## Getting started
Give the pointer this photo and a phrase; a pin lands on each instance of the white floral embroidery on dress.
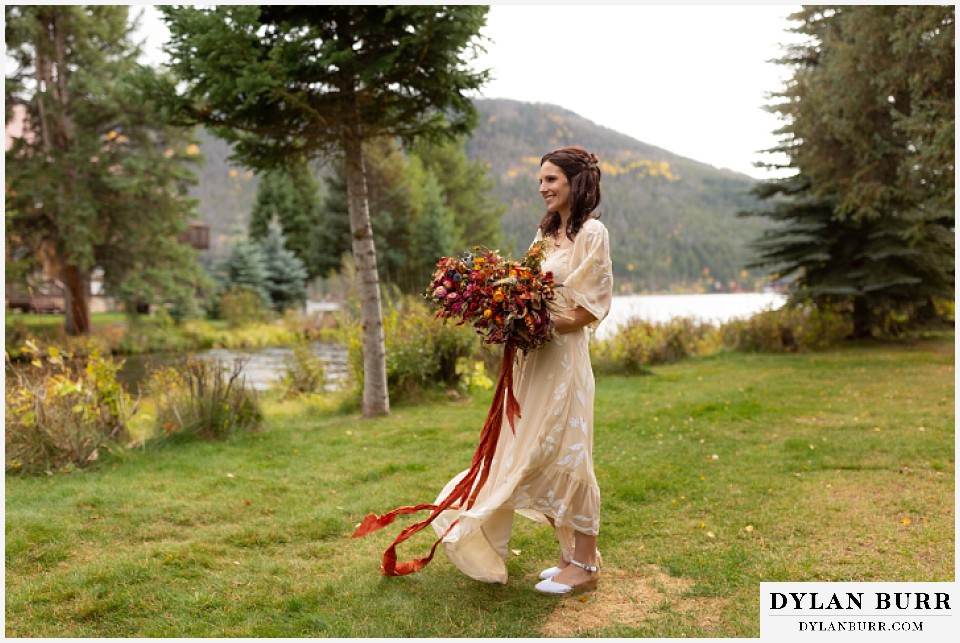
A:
(560, 392)
(579, 422)
(581, 398)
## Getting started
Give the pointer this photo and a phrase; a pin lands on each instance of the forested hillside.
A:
(226, 193)
(671, 219)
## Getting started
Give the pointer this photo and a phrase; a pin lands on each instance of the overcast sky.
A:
(690, 79)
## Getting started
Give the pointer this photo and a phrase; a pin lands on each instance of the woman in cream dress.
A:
(544, 470)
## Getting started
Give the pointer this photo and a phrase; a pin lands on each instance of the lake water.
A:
(263, 366)
(716, 308)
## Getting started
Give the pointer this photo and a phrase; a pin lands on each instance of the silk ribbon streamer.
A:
(465, 493)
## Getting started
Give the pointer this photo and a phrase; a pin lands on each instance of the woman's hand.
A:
(573, 320)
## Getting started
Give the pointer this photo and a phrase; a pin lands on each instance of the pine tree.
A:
(285, 273)
(293, 197)
(99, 177)
(246, 267)
(467, 189)
(868, 217)
(433, 232)
(333, 238)
(293, 82)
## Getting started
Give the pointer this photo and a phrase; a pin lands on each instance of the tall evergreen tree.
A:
(333, 238)
(467, 189)
(868, 217)
(98, 177)
(293, 197)
(246, 267)
(433, 228)
(391, 206)
(285, 273)
(289, 82)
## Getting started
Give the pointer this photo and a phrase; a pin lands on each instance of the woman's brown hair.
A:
(583, 174)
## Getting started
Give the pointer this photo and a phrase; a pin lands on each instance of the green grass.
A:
(830, 466)
(39, 323)
(116, 333)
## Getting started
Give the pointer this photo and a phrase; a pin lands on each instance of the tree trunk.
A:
(76, 282)
(376, 400)
(861, 318)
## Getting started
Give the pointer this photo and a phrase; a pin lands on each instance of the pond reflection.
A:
(261, 368)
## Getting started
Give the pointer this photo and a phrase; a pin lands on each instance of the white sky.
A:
(690, 79)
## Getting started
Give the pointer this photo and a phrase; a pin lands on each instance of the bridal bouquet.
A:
(506, 301)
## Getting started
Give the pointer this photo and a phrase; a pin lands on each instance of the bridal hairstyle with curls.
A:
(583, 173)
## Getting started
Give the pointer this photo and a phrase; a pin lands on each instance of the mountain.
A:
(671, 219)
(226, 194)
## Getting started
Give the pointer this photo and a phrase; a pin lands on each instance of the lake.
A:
(261, 368)
(716, 308)
(264, 365)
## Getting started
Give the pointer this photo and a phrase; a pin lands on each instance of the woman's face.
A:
(554, 187)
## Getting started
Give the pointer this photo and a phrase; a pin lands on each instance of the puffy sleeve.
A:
(590, 284)
(537, 237)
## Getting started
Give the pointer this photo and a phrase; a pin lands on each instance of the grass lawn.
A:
(715, 474)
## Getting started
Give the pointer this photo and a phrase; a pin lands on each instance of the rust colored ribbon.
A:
(464, 494)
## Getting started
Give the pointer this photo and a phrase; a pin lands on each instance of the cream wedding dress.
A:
(546, 469)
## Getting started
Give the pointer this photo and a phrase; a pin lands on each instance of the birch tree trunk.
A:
(376, 400)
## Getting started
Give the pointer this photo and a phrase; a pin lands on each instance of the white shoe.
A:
(549, 586)
(547, 574)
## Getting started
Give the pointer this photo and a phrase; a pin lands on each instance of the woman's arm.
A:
(579, 317)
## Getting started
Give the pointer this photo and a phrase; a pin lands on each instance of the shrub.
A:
(303, 371)
(792, 328)
(640, 343)
(204, 399)
(62, 410)
(240, 306)
(422, 352)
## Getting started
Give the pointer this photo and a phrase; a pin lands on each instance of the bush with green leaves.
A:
(792, 328)
(241, 306)
(206, 399)
(303, 372)
(640, 343)
(422, 351)
(61, 410)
